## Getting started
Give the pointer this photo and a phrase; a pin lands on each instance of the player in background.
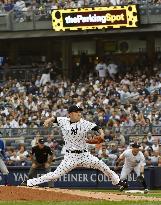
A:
(74, 130)
(3, 167)
(133, 160)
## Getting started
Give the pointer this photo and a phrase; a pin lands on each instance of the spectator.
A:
(53, 144)
(155, 146)
(45, 78)
(19, 8)
(150, 139)
(14, 159)
(34, 142)
(112, 69)
(147, 158)
(8, 5)
(22, 153)
(103, 152)
(154, 158)
(101, 69)
(92, 150)
(61, 112)
(38, 82)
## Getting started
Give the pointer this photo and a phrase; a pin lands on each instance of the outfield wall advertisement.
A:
(111, 17)
(78, 178)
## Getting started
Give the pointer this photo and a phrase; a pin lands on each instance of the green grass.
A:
(80, 203)
(156, 195)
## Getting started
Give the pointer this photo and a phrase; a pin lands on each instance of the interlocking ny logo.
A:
(74, 131)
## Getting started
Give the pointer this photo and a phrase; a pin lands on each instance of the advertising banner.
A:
(112, 17)
(157, 178)
(78, 178)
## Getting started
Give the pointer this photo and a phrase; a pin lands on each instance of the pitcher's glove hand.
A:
(95, 140)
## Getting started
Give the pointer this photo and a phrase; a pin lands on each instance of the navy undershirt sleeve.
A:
(96, 128)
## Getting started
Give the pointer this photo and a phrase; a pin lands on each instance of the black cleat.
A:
(123, 185)
(146, 191)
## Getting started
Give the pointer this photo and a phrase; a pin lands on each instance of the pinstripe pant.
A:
(71, 161)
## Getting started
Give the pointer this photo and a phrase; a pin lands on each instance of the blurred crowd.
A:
(23, 10)
(127, 105)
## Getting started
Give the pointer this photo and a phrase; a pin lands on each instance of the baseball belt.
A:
(76, 151)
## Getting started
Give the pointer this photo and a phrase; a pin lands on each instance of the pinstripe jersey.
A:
(132, 160)
(74, 134)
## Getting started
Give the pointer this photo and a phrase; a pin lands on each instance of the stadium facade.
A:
(37, 36)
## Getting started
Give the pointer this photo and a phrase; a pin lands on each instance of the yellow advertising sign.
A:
(95, 18)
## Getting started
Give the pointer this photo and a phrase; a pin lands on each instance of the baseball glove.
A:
(95, 140)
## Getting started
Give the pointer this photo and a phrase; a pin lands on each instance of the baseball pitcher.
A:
(74, 130)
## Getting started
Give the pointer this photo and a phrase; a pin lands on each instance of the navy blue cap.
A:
(135, 145)
(74, 108)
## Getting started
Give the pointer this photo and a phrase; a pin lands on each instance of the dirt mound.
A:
(41, 194)
(8, 193)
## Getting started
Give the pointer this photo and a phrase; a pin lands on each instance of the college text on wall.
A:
(95, 18)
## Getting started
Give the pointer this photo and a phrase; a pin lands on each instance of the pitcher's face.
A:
(135, 151)
(75, 116)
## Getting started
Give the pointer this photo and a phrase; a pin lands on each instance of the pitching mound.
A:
(41, 194)
(36, 194)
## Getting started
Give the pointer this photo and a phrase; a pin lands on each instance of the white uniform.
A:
(75, 135)
(101, 68)
(131, 163)
(3, 167)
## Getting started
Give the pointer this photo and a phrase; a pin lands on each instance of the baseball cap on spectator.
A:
(75, 96)
(74, 108)
(41, 141)
(135, 145)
